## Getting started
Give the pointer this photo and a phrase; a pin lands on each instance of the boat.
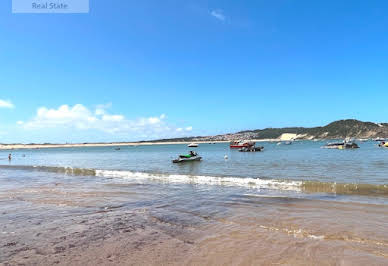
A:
(192, 145)
(241, 144)
(251, 149)
(346, 144)
(383, 144)
(192, 156)
(379, 139)
(284, 143)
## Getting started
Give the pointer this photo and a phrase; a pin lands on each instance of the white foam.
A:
(207, 180)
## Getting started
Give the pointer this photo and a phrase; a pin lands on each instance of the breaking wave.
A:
(205, 180)
(258, 183)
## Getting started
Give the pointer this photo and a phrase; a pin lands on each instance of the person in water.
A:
(9, 157)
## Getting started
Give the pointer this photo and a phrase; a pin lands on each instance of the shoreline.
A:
(113, 144)
(109, 230)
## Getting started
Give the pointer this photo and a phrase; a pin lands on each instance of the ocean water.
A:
(331, 203)
(301, 167)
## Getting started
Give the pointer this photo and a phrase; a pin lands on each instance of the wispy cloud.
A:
(218, 14)
(6, 104)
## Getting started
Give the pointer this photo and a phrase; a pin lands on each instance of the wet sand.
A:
(63, 221)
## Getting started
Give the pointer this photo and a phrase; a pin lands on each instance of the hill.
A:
(335, 130)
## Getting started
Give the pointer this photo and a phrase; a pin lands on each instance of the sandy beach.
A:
(115, 144)
(133, 206)
(64, 224)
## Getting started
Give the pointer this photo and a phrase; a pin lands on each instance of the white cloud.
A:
(101, 108)
(80, 118)
(6, 104)
(218, 14)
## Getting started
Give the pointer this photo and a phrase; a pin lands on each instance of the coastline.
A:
(112, 144)
(117, 208)
(115, 224)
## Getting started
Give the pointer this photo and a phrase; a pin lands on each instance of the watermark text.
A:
(53, 6)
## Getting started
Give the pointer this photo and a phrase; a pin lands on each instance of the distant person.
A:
(9, 157)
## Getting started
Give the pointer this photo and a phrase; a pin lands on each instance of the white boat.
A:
(192, 145)
(346, 144)
(285, 143)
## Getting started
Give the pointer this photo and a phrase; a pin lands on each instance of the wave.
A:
(53, 169)
(205, 180)
(344, 188)
(301, 186)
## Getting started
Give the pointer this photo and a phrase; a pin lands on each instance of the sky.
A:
(138, 70)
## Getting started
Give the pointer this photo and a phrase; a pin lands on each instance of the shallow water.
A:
(300, 167)
(291, 204)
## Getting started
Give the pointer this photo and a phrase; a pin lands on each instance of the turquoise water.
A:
(301, 167)
(300, 193)
(303, 160)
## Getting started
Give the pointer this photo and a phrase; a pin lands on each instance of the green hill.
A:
(338, 129)
(335, 130)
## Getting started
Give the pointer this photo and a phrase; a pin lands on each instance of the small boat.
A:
(346, 144)
(284, 143)
(241, 144)
(117, 149)
(251, 149)
(383, 144)
(379, 139)
(192, 145)
(192, 156)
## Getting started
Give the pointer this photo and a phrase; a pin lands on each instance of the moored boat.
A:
(251, 149)
(346, 144)
(284, 143)
(383, 144)
(192, 145)
(241, 144)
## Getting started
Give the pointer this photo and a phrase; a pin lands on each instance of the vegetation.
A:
(338, 129)
(335, 130)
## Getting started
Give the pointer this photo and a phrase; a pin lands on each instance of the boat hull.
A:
(183, 160)
(239, 146)
(251, 149)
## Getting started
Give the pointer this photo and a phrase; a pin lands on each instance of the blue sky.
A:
(133, 70)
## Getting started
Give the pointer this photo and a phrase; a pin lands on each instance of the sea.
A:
(292, 204)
